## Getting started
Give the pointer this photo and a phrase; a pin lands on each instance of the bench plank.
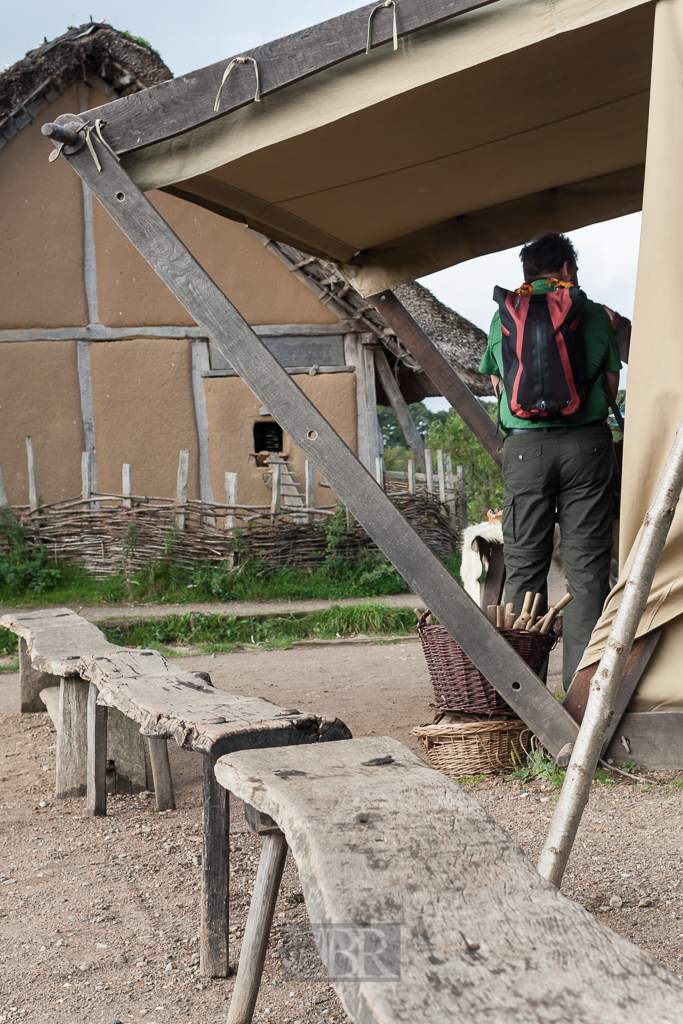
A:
(483, 936)
(56, 638)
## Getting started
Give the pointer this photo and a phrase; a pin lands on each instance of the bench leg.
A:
(97, 755)
(126, 748)
(259, 921)
(32, 681)
(213, 949)
(161, 773)
(72, 739)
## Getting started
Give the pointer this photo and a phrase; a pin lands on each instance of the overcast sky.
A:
(189, 36)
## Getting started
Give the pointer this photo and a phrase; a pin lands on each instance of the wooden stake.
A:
(429, 471)
(309, 480)
(451, 500)
(275, 470)
(127, 484)
(181, 486)
(462, 495)
(379, 471)
(231, 499)
(411, 476)
(441, 475)
(86, 478)
(97, 755)
(605, 683)
(3, 493)
(32, 483)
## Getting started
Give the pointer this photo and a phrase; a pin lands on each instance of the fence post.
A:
(411, 476)
(3, 493)
(231, 500)
(379, 470)
(309, 483)
(450, 490)
(181, 487)
(462, 496)
(441, 475)
(32, 483)
(127, 484)
(275, 469)
(429, 471)
(86, 477)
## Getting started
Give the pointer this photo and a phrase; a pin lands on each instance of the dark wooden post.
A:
(313, 435)
(161, 773)
(440, 371)
(213, 948)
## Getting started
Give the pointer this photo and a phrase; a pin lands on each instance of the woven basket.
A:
(463, 749)
(458, 683)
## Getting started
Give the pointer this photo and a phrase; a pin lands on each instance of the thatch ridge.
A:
(95, 52)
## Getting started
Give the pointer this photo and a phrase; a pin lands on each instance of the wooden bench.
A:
(384, 844)
(159, 701)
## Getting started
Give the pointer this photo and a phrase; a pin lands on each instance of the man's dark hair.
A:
(547, 254)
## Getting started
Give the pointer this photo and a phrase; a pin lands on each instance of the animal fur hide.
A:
(473, 564)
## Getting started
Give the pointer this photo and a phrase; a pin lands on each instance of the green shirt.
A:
(601, 354)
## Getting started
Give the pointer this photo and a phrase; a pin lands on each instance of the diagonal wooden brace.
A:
(321, 445)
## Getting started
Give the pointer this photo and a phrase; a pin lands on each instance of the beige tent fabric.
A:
(654, 406)
(477, 132)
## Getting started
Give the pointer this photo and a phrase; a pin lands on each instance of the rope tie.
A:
(97, 128)
(238, 60)
(387, 3)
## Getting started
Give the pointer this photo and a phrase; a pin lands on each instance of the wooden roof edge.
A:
(177, 106)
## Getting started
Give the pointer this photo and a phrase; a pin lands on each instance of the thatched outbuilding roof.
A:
(114, 62)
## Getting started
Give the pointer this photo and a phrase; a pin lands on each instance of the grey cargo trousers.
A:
(569, 469)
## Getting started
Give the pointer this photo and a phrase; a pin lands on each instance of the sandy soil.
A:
(99, 918)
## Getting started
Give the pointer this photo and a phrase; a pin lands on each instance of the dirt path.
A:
(99, 919)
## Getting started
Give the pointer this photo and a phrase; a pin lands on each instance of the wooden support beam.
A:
(440, 372)
(313, 435)
(187, 101)
(86, 479)
(72, 739)
(164, 797)
(400, 407)
(213, 943)
(97, 755)
(257, 931)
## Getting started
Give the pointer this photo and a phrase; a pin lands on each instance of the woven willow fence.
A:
(110, 533)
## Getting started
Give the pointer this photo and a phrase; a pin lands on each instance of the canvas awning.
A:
(481, 129)
(492, 121)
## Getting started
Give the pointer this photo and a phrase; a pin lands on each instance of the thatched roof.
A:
(98, 54)
(461, 342)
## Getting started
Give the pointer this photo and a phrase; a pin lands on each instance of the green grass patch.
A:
(9, 641)
(227, 632)
(10, 666)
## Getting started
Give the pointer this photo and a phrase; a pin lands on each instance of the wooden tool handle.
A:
(563, 602)
(528, 599)
(491, 613)
(510, 619)
(547, 621)
(534, 611)
(500, 616)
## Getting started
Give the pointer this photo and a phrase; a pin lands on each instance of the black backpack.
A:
(544, 352)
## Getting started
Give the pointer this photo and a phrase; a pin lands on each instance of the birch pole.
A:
(605, 682)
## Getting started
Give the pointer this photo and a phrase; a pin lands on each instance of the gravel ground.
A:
(99, 918)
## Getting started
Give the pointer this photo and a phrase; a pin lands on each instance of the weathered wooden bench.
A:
(423, 908)
(162, 702)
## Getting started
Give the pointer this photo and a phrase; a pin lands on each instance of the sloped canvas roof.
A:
(489, 122)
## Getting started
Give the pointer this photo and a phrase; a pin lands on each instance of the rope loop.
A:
(97, 128)
(238, 60)
(387, 3)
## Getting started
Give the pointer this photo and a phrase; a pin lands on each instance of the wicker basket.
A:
(458, 683)
(464, 749)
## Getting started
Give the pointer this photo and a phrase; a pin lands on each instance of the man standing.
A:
(554, 464)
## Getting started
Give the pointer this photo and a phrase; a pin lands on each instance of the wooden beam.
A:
(213, 949)
(97, 755)
(313, 435)
(161, 773)
(400, 407)
(440, 372)
(174, 107)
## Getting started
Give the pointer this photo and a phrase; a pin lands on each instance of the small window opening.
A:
(267, 437)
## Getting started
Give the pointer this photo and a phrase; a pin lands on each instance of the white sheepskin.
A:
(473, 564)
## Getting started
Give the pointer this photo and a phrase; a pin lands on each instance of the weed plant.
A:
(227, 632)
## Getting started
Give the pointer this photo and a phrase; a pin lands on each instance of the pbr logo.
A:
(355, 952)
